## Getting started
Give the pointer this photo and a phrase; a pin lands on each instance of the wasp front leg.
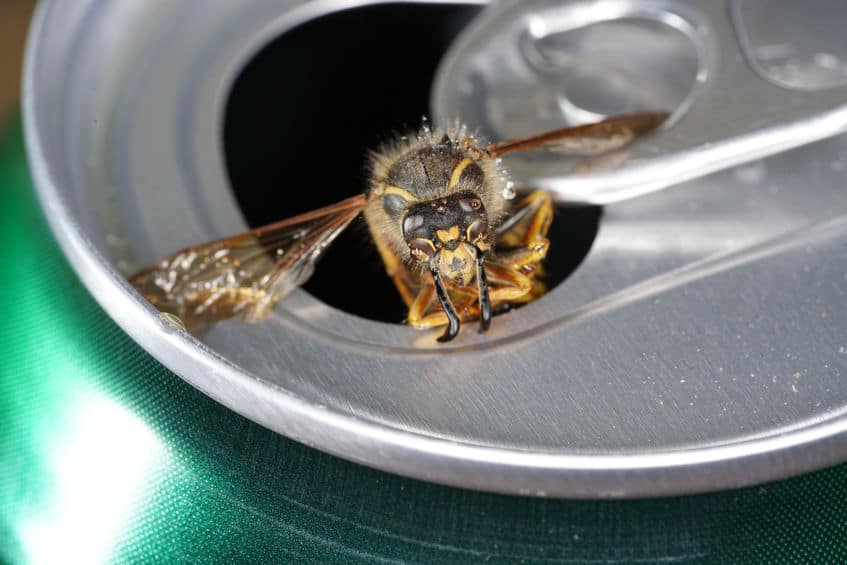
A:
(522, 243)
(529, 223)
(407, 283)
(513, 271)
(504, 286)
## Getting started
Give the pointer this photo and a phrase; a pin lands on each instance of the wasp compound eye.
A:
(412, 224)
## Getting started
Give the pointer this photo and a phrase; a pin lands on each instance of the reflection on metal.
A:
(97, 456)
(733, 87)
(791, 45)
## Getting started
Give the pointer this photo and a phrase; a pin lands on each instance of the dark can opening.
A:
(305, 110)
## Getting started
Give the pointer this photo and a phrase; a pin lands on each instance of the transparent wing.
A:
(247, 274)
(590, 139)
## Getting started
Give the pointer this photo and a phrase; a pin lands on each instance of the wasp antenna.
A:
(484, 298)
(452, 317)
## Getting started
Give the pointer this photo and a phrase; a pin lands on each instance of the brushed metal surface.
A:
(744, 79)
(701, 344)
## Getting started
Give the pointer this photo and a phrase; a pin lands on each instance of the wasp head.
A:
(447, 234)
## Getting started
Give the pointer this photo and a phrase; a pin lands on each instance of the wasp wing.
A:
(247, 274)
(590, 139)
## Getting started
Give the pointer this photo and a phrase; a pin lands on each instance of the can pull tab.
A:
(737, 92)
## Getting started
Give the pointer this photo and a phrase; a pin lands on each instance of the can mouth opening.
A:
(304, 111)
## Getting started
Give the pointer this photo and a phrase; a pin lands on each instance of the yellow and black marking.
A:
(449, 235)
(434, 209)
(458, 170)
(512, 273)
(425, 167)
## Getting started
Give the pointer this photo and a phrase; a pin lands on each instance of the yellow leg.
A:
(519, 257)
(506, 285)
(513, 269)
(426, 313)
(422, 304)
(530, 221)
(407, 282)
(523, 244)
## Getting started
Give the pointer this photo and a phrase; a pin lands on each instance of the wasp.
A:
(439, 207)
